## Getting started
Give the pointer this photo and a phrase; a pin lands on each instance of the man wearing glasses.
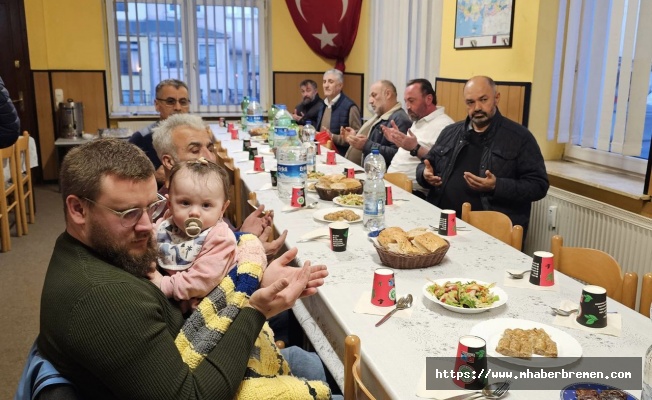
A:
(171, 98)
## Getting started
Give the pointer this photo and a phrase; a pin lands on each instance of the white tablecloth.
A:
(33, 160)
(394, 354)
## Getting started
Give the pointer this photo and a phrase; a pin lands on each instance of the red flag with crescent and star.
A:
(328, 27)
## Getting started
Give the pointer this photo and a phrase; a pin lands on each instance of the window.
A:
(216, 46)
(601, 103)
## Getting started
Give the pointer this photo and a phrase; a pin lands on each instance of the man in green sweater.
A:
(104, 326)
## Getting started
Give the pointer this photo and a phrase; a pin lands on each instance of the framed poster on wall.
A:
(484, 23)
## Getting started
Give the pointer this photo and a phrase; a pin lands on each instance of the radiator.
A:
(584, 222)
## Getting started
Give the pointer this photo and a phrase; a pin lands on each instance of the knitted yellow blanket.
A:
(268, 375)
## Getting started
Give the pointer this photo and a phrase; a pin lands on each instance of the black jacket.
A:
(9, 121)
(310, 111)
(511, 154)
(376, 139)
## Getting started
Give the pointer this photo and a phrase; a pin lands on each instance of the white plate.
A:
(336, 200)
(308, 189)
(495, 290)
(568, 348)
(319, 214)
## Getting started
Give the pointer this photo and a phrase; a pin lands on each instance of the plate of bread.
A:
(528, 343)
(414, 248)
(465, 296)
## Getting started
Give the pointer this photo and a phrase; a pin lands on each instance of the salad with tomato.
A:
(465, 295)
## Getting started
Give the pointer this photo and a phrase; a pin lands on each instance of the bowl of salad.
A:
(465, 296)
(349, 200)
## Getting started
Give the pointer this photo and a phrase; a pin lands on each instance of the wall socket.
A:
(58, 98)
(552, 218)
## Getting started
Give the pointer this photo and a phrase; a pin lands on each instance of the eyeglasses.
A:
(130, 217)
(171, 101)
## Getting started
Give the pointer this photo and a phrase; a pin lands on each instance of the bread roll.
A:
(429, 242)
(412, 233)
(391, 235)
(338, 185)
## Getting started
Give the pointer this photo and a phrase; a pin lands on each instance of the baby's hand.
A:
(154, 276)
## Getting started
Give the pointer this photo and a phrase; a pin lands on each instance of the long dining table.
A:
(394, 354)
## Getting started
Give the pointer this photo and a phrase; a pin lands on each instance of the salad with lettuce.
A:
(465, 295)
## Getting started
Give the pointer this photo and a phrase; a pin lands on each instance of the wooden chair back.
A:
(495, 224)
(595, 267)
(354, 389)
(25, 193)
(399, 179)
(9, 197)
(646, 295)
(234, 211)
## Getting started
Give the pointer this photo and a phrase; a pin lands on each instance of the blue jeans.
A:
(304, 364)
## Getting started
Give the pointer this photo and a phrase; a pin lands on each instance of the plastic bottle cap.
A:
(282, 107)
(308, 122)
(375, 151)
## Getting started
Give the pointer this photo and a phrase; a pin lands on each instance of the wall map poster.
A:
(484, 23)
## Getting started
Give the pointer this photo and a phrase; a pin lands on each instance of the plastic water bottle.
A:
(254, 114)
(374, 191)
(646, 394)
(291, 165)
(282, 122)
(311, 154)
(271, 114)
(309, 131)
(244, 104)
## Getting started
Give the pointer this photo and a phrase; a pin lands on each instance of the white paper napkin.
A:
(243, 160)
(614, 321)
(251, 171)
(322, 232)
(266, 186)
(436, 394)
(364, 306)
(524, 283)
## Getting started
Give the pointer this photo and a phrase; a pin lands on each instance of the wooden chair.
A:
(234, 211)
(354, 389)
(25, 193)
(9, 197)
(252, 205)
(595, 267)
(495, 224)
(399, 179)
(646, 295)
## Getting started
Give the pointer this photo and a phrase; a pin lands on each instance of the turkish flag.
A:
(328, 27)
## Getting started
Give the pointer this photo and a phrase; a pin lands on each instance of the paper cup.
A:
(234, 134)
(246, 144)
(253, 152)
(298, 199)
(317, 148)
(349, 172)
(389, 200)
(593, 307)
(274, 176)
(339, 233)
(543, 269)
(447, 226)
(330, 157)
(230, 126)
(259, 163)
(470, 370)
(383, 293)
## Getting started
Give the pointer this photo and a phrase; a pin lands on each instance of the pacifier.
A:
(193, 227)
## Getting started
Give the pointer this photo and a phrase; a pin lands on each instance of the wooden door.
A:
(15, 68)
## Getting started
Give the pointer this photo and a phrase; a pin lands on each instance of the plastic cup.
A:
(543, 269)
(383, 293)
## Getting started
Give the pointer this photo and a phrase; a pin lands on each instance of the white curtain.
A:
(601, 74)
(405, 41)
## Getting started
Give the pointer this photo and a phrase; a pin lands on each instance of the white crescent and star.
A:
(325, 38)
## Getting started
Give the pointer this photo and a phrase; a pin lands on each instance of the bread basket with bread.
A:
(330, 186)
(416, 248)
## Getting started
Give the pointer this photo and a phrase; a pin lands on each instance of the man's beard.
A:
(307, 99)
(413, 116)
(103, 243)
(482, 120)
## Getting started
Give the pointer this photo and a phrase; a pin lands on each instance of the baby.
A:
(196, 247)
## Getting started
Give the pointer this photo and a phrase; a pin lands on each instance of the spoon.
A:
(403, 303)
(491, 391)
(308, 206)
(564, 313)
(518, 275)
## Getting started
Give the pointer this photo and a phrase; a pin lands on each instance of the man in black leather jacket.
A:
(9, 121)
(487, 160)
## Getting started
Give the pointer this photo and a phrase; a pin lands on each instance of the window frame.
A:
(190, 61)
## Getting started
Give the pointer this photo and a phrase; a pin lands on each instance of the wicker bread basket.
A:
(330, 194)
(404, 261)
